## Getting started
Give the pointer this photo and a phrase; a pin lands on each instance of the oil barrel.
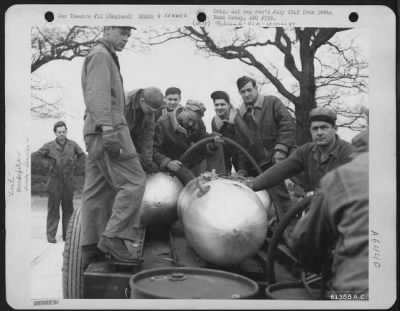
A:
(191, 283)
(291, 291)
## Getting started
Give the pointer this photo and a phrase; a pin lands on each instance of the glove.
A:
(111, 143)
(150, 167)
(279, 156)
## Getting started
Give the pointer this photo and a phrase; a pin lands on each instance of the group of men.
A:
(129, 135)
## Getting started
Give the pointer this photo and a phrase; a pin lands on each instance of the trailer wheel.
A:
(72, 271)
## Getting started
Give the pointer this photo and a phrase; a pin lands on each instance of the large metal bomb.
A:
(223, 220)
(160, 199)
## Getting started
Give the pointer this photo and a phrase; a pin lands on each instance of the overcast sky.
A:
(176, 63)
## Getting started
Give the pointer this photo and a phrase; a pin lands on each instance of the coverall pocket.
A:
(94, 146)
(128, 149)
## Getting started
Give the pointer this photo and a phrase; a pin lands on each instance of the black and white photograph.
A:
(209, 156)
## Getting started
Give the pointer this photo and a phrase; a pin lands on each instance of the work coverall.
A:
(113, 188)
(62, 161)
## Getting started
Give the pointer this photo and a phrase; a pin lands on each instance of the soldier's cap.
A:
(172, 91)
(195, 106)
(153, 97)
(242, 81)
(58, 124)
(323, 114)
(220, 95)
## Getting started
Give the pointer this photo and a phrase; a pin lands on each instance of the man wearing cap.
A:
(115, 180)
(272, 132)
(326, 152)
(172, 100)
(142, 104)
(228, 123)
(176, 132)
(62, 155)
(333, 234)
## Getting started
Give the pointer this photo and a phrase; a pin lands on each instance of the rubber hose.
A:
(291, 214)
(207, 140)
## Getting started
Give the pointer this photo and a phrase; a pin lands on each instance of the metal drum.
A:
(291, 291)
(160, 199)
(191, 283)
(224, 221)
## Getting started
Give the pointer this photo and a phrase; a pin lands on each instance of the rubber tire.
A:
(72, 272)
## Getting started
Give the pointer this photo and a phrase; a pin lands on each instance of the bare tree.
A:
(51, 43)
(317, 64)
(46, 99)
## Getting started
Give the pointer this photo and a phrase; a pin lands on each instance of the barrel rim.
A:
(253, 286)
(270, 289)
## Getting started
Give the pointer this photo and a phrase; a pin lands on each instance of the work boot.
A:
(51, 240)
(91, 254)
(117, 248)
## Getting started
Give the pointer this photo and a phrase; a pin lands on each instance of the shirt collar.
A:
(334, 151)
(258, 104)
(231, 119)
(107, 45)
(174, 119)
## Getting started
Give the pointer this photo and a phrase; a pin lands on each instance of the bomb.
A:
(159, 205)
(224, 221)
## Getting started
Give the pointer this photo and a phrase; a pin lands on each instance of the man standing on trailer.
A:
(115, 181)
(62, 155)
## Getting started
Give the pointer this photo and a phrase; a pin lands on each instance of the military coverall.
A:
(62, 161)
(113, 188)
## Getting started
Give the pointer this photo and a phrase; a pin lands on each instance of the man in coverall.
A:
(62, 155)
(140, 110)
(115, 180)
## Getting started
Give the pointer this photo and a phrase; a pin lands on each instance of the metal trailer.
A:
(277, 273)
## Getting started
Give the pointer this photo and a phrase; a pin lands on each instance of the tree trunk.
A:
(307, 92)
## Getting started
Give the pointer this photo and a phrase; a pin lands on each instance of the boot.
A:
(117, 248)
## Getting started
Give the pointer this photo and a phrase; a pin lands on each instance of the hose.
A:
(291, 214)
(231, 142)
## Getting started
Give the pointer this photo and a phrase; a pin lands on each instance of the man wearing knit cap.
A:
(326, 152)
(272, 131)
(333, 235)
(176, 132)
(229, 123)
(140, 109)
